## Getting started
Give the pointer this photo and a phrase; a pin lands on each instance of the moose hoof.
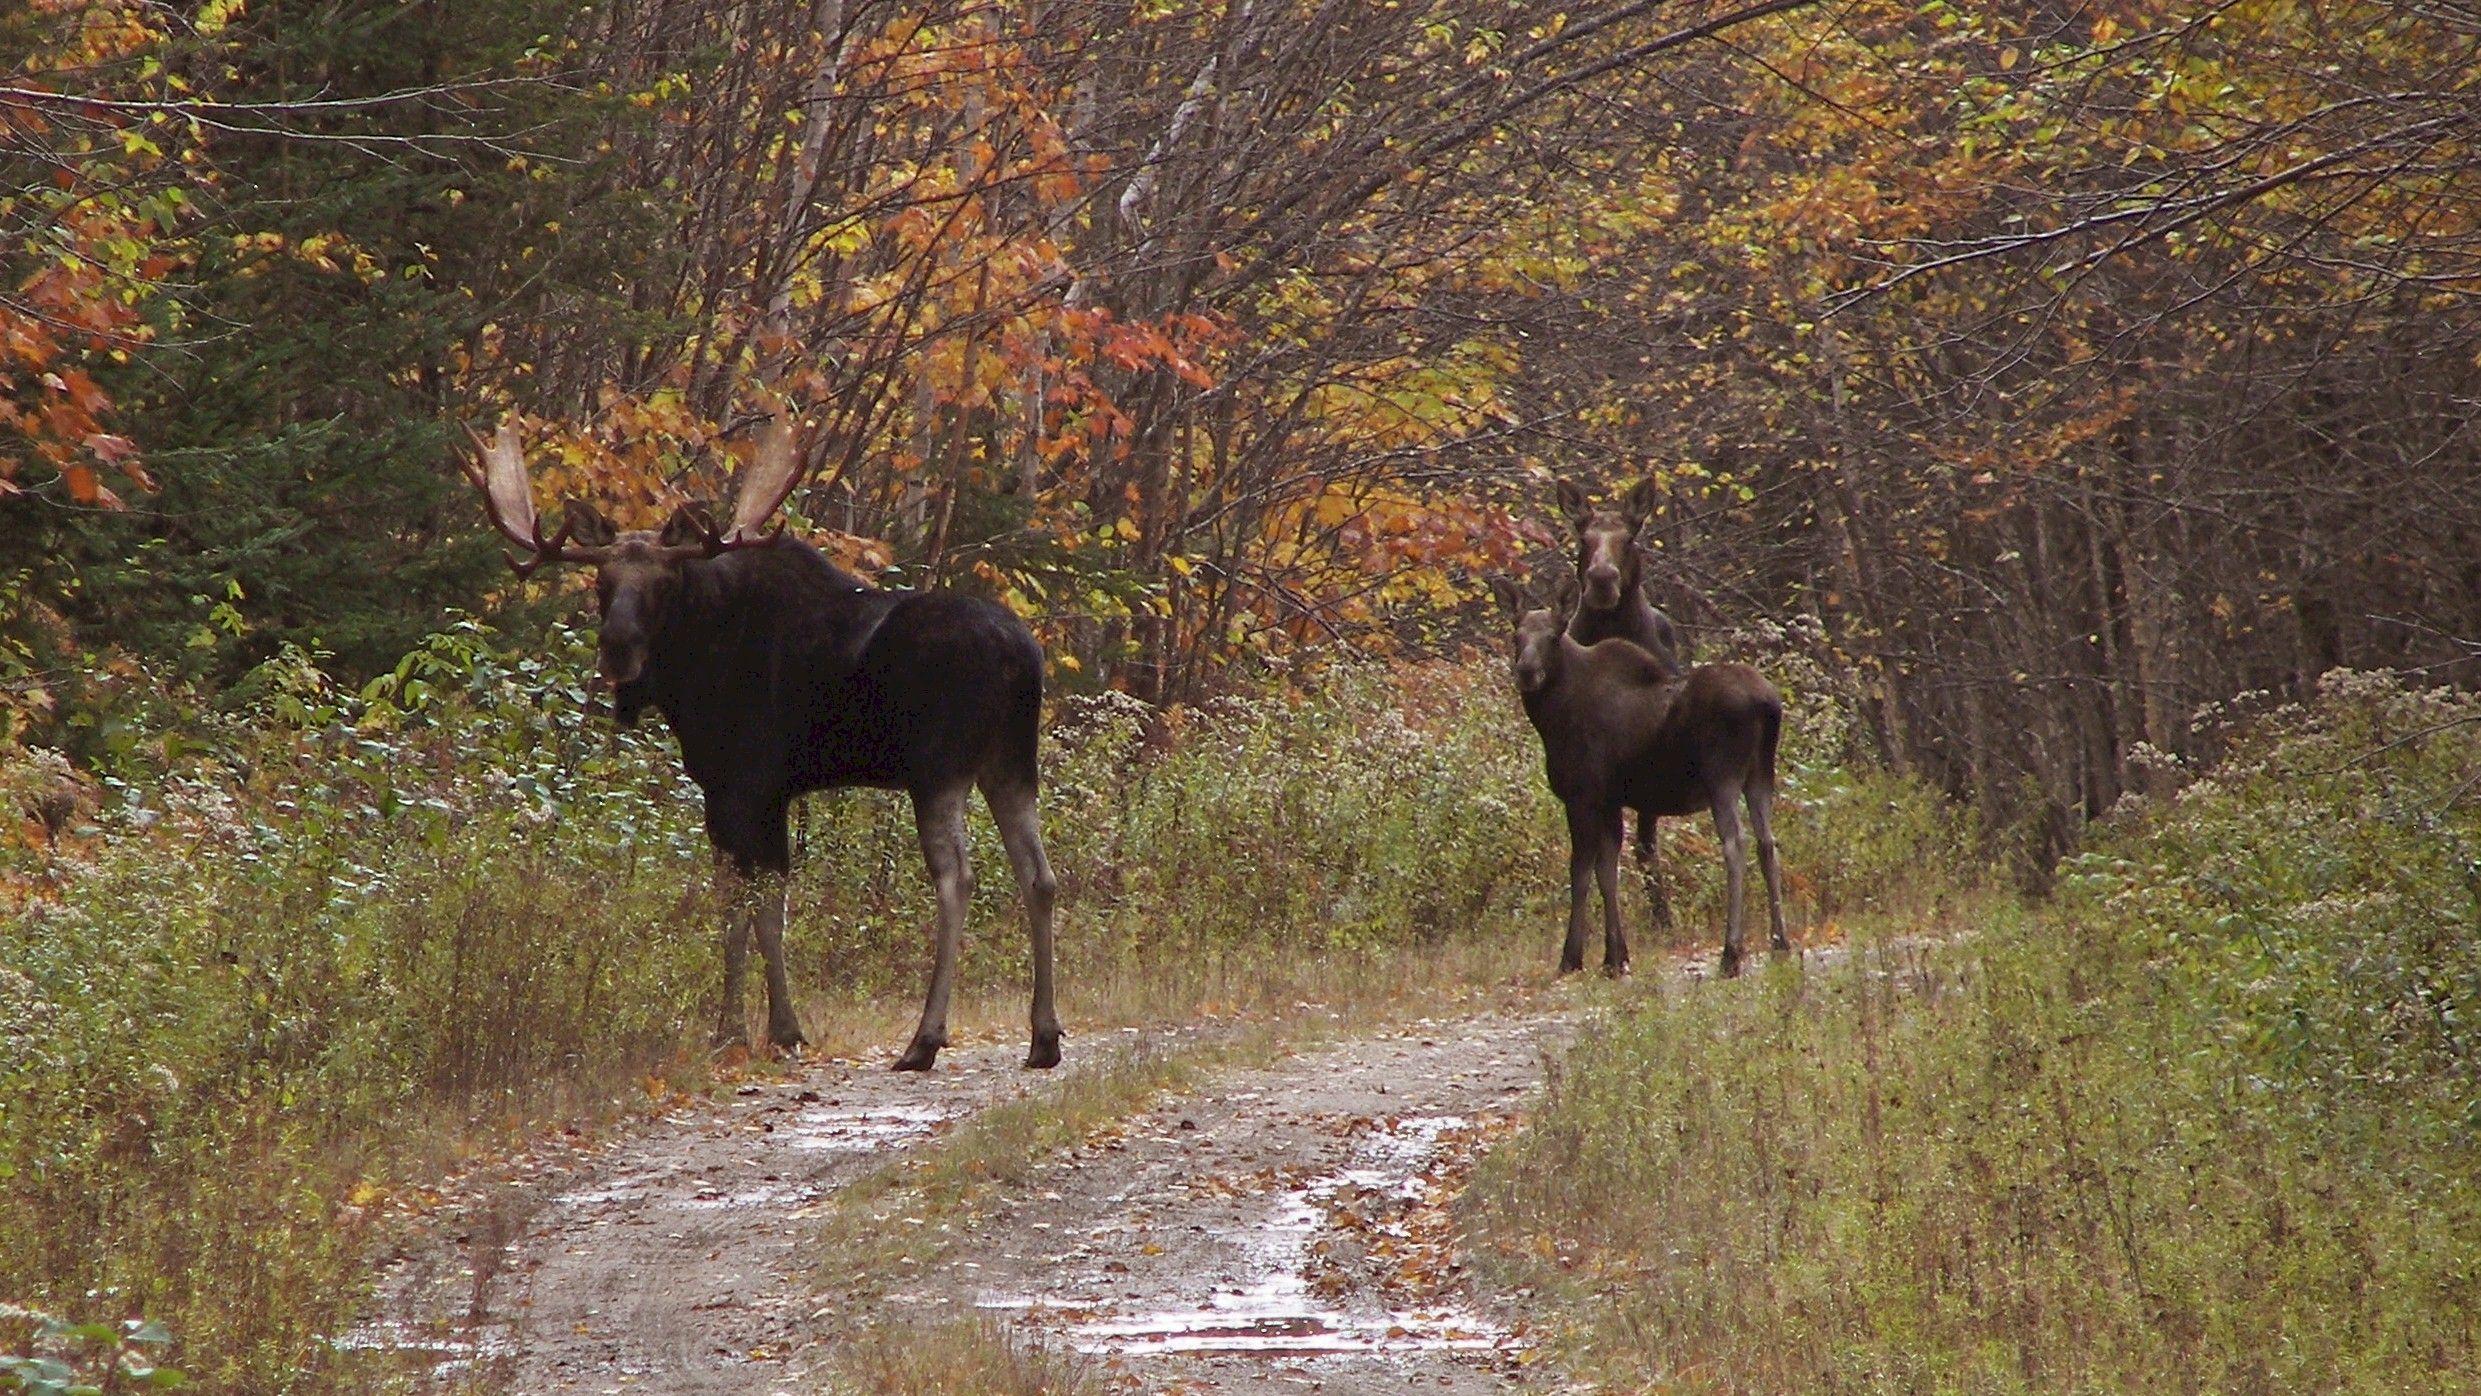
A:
(1045, 1053)
(1731, 964)
(920, 1056)
(1615, 969)
(1568, 966)
(787, 1039)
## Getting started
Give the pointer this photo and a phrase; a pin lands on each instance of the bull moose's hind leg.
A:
(1762, 823)
(1735, 872)
(1015, 808)
(939, 818)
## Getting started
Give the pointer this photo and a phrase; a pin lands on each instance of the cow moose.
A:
(1610, 561)
(1623, 731)
(781, 673)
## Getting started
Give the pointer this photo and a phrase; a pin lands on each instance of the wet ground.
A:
(1283, 1231)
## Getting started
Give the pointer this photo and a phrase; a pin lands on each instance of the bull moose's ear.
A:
(1510, 599)
(1638, 504)
(587, 525)
(1573, 503)
(690, 523)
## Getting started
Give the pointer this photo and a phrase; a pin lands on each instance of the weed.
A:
(2203, 1125)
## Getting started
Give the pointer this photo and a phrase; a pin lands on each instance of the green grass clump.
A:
(284, 953)
(2205, 1125)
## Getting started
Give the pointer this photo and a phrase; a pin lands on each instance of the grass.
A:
(2203, 1125)
(964, 1357)
(287, 953)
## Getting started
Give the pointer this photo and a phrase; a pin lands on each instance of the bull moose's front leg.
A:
(754, 908)
(753, 866)
(939, 818)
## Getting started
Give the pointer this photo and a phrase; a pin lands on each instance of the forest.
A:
(2073, 408)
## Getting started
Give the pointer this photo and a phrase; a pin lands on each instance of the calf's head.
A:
(638, 576)
(1539, 631)
(1608, 560)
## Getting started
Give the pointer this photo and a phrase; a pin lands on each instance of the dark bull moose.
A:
(780, 673)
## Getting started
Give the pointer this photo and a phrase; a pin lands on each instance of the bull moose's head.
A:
(637, 571)
(1608, 561)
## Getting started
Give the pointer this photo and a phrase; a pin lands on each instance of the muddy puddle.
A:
(1273, 1307)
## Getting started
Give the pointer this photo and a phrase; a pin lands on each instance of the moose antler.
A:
(498, 470)
(768, 482)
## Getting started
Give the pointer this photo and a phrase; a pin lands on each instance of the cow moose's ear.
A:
(690, 523)
(1573, 503)
(1638, 504)
(1511, 600)
(587, 525)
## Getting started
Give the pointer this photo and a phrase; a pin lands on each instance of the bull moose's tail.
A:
(1019, 757)
(1768, 738)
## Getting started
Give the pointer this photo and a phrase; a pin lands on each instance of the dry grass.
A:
(968, 1357)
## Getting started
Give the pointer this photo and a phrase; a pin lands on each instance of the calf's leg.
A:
(1650, 866)
(1015, 809)
(1584, 842)
(939, 819)
(1607, 874)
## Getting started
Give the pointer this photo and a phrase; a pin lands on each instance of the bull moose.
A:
(781, 673)
(1621, 730)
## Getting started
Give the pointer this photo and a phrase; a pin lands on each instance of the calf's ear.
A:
(587, 525)
(1511, 600)
(1573, 503)
(1563, 597)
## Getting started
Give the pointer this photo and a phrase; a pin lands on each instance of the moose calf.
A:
(1622, 731)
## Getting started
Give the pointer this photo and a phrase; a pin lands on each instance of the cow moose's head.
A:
(637, 571)
(1608, 560)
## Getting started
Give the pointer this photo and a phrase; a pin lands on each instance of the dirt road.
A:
(1278, 1231)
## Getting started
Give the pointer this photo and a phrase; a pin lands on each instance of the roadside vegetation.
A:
(290, 952)
(2203, 1123)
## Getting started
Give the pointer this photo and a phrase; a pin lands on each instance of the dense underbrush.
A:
(2205, 1124)
(283, 953)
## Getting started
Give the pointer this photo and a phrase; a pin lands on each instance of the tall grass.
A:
(294, 947)
(2205, 1125)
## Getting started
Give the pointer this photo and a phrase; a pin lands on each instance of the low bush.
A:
(279, 954)
(2203, 1125)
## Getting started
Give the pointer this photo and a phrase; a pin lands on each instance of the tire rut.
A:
(673, 1259)
(1281, 1232)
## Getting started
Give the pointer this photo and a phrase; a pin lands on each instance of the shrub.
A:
(2204, 1125)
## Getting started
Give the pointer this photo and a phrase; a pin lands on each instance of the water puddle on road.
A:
(831, 1129)
(443, 1356)
(1275, 1311)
